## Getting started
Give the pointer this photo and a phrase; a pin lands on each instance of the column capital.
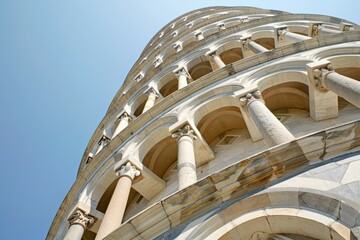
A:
(82, 218)
(346, 26)
(280, 31)
(152, 91)
(181, 72)
(185, 131)
(213, 53)
(314, 29)
(245, 40)
(250, 97)
(104, 139)
(127, 170)
(317, 72)
(124, 115)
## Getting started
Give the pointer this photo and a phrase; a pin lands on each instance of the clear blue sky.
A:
(61, 63)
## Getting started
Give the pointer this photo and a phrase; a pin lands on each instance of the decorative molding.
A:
(250, 97)
(82, 218)
(128, 170)
(185, 131)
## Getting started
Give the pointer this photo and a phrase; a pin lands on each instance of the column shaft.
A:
(344, 87)
(328, 31)
(186, 157)
(115, 211)
(150, 101)
(75, 232)
(219, 63)
(186, 162)
(272, 130)
(182, 77)
(293, 37)
(124, 122)
(256, 48)
(79, 221)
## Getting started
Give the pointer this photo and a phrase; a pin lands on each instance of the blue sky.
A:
(61, 63)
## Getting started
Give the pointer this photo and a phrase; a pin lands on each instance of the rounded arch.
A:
(167, 84)
(199, 67)
(265, 38)
(230, 51)
(155, 133)
(279, 212)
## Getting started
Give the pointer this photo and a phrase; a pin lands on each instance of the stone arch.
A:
(265, 38)
(138, 105)
(199, 67)
(230, 52)
(189, 40)
(278, 212)
(155, 133)
(167, 84)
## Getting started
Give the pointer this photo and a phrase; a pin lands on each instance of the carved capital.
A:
(250, 97)
(178, 47)
(104, 140)
(81, 218)
(185, 131)
(90, 157)
(213, 54)
(153, 92)
(245, 43)
(124, 116)
(280, 32)
(182, 72)
(346, 27)
(320, 75)
(221, 26)
(128, 170)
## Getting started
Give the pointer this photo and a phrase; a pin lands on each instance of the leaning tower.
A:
(234, 123)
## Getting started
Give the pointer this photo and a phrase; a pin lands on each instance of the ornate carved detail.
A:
(245, 43)
(128, 170)
(250, 97)
(221, 26)
(280, 32)
(213, 53)
(90, 157)
(316, 29)
(104, 140)
(185, 131)
(153, 92)
(178, 47)
(125, 115)
(320, 75)
(182, 72)
(81, 218)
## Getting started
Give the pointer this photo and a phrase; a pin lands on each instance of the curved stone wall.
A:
(231, 118)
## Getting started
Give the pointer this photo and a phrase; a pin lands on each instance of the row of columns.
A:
(324, 79)
(271, 129)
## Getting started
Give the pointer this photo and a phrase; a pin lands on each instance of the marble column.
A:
(284, 34)
(79, 221)
(249, 44)
(115, 211)
(124, 118)
(152, 96)
(325, 79)
(104, 140)
(199, 36)
(217, 60)
(186, 157)
(182, 77)
(272, 130)
(317, 29)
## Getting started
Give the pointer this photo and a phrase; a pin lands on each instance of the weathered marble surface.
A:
(280, 176)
